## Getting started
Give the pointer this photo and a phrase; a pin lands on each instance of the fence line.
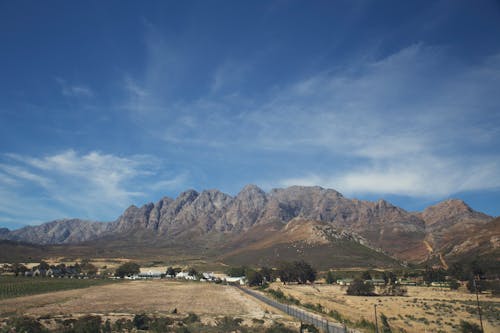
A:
(304, 316)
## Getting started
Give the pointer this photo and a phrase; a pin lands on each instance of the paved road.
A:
(304, 316)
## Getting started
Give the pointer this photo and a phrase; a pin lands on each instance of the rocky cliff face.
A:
(194, 215)
(60, 232)
(451, 223)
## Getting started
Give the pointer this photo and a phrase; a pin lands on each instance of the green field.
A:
(11, 286)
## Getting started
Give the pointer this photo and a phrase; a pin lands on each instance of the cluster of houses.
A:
(45, 270)
(60, 272)
(381, 282)
(202, 277)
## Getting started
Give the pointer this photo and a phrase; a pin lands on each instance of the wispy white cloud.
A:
(72, 90)
(22, 174)
(92, 185)
(431, 177)
(400, 124)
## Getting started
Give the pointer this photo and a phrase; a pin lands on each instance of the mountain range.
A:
(255, 227)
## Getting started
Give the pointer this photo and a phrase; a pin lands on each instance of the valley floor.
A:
(155, 297)
(424, 309)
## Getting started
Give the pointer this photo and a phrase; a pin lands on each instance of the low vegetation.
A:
(139, 323)
(11, 286)
(127, 269)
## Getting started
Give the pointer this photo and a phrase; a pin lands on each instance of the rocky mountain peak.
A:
(450, 218)
(445, 210)
(212, 198)
(210, 212)
(251, 189)
(187, 196)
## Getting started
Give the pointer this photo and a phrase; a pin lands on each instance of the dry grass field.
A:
(155, 297)
(422, 310)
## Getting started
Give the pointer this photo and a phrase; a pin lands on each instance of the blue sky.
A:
(104, 104)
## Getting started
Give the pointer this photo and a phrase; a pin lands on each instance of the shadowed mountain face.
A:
(257, 220)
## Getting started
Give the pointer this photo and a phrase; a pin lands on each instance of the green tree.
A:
(43, 265)
(267, 273)
(434, 275)
(88, 268)
(19, 269)
(236, 271)
(305, 272)
(127, 269)
(192, 272)
(297, 271)
(170, 271)
(389, 277)
(254, 278)
(366, 275)
(457, 271)
(330, 278)
(77, 268)
(359, 288)
(394, 290)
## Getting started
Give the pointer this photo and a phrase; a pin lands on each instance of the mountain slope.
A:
(315, 242)
(257, 221)
(59, 232)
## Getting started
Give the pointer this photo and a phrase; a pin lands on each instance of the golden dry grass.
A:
(157, 297)
(423, 310)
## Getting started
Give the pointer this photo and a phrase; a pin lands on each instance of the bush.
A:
(310, 328)
(123, 325)
(468, 327)
(141, 321)
(191, 318)
(394, 290)
(23, 324)
(87, 324)
(277, 293)
(454, 285)
(159, 325)
(359, 288)
(228, 324)
(279, 328)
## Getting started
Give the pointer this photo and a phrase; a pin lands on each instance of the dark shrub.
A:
(191, 318)
(87, 324)
(159, 325)
(23, 324)
(468, 327)
(279, 328)
(141, 321)
(360, 288)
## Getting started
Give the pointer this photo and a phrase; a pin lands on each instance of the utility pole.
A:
(477, 299)
(376, 320)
